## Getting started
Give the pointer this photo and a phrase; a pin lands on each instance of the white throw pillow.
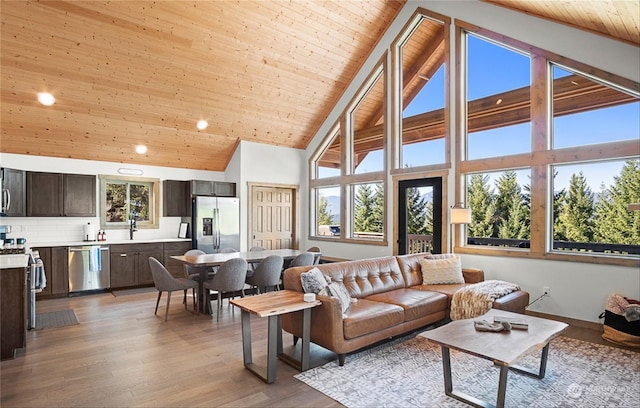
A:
(339, 291)
(445, 270)
(313, 281)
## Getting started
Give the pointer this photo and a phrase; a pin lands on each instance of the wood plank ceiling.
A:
(141, 72)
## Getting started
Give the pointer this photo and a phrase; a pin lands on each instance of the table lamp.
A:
(458, 214)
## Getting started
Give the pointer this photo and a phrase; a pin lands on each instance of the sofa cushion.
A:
(313, 281)
(416, 303)
(441, 271)
(366, 316)
(447, 290)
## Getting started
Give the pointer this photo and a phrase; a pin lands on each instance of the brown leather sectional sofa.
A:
(391, 301)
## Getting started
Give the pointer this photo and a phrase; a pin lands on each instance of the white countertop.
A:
(14, 261)
(107, 242)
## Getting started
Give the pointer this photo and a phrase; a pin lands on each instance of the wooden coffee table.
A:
(503, 348)
(273, 305)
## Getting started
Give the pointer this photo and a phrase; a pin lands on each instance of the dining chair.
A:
(316, 254)
(229, 278)
(267, 273)
(252, 265)
(303, 259)
(193, 272)
(165, 282)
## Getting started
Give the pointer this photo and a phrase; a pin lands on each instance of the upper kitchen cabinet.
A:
(79, 194)
(13, 186)
(61, 195)
(212, 188)
(44, 194)
(176, 198)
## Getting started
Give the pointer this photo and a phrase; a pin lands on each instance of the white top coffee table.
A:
(504, 349)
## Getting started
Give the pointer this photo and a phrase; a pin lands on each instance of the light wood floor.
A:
(122, 355)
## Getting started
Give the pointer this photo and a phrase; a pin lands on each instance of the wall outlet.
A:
(546, 290)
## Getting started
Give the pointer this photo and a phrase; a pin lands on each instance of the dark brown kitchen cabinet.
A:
(13, 185)
(123, 268)
(60, 195)
(176, 268)
(130, 264)
(213, 188)
(13, 306)
(176, 198)
(56, 268)
(44, 194)
(79, 192)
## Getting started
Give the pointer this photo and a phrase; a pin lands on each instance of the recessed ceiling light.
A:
(202, 124)
(141, 149)
(46, 98)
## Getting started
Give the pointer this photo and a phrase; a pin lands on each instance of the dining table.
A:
(207, 261)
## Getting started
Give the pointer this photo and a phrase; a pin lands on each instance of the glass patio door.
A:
(420, 216)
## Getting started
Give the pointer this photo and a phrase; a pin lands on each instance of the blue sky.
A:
(494, 69)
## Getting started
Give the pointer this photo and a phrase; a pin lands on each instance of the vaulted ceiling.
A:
(142, 72)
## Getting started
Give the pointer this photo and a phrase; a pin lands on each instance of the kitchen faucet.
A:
(132, 227)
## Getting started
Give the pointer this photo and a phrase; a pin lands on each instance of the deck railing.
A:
(419, 243)
(424, 243)
(568, 246)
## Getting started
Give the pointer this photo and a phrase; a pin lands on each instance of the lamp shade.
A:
(461, 215)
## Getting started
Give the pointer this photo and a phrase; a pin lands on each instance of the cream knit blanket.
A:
(475, 300)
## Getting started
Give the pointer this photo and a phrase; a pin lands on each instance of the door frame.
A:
(443, 175)
(295, 222)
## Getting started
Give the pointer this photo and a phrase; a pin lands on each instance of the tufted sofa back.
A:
(411, 268)
(362, 278)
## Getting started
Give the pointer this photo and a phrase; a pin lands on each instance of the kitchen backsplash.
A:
(50, 230)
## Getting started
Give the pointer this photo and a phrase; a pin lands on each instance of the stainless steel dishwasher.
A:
(89, 268)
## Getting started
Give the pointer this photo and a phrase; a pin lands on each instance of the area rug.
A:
(407, 372)
(135, 291)
(61, 318)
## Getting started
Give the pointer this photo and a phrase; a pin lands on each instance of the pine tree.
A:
(325, 217)
(615, 223)
(363, 211)
(576, 217)
(507, 203)
(516, 222)
(416, 207)
(378, 209)
(479, 197)
(559, 198)
(428, 219)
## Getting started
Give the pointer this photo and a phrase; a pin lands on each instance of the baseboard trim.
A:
(572, 322)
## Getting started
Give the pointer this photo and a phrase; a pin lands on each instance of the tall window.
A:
(552, 164)
(126, 199)
(352, 180)
(422, 52)
(498, 100)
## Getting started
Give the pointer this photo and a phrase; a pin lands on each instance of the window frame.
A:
(397, 107)
(154, 201)
(542, 156)
(347, 178)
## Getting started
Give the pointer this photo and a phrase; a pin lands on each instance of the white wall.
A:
(578, 290)
(261, 163)
(56, 229)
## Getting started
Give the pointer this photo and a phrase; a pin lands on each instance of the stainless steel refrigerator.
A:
(217, 223)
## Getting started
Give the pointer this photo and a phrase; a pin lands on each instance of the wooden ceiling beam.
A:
(571, 94)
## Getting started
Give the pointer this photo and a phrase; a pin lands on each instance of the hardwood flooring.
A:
(122, 355)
